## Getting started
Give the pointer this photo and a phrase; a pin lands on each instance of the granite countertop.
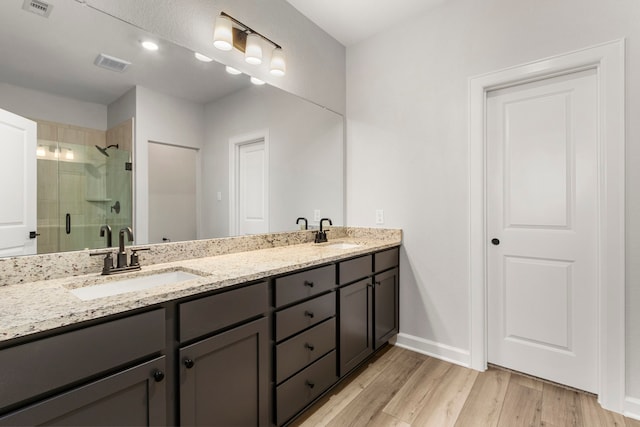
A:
(28, 308)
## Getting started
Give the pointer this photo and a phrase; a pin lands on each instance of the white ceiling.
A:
(351, 21)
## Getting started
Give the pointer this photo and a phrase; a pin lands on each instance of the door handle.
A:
(495, 241)
(68, 223)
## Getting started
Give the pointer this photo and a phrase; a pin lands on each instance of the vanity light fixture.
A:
(232, 70)
(40, 151)
(256, 81)
(69, 155)
(229, 33)
(149, 45)
(201, 57)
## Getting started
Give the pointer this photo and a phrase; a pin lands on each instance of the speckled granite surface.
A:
(30, 306)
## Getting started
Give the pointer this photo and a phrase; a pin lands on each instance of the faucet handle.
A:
(107, 265)
(135, 260)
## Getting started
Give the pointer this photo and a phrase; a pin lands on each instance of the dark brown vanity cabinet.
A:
(305, 339)
(224, 378)
(107, 374)
(368, 310)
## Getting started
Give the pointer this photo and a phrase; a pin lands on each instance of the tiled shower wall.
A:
(85, 187)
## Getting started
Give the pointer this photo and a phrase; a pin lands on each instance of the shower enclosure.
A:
(84, 182)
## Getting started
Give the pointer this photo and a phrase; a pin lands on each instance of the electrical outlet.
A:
(379, 216)
(316, 215)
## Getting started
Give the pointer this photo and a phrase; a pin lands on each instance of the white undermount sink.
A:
(132, 284)
(343, 245)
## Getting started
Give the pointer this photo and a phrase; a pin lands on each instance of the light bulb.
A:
(253, 49)
(223, 33)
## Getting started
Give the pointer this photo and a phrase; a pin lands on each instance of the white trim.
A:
(632, 408)
(441, 351)
(234, 147)
(608, 61)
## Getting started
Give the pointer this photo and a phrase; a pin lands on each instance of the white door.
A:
(542, 169)
(17, 184)
(172, 193)
(252, 188)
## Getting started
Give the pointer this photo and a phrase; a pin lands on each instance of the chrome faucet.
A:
(122, 254)
(321, 236)
(106, 229)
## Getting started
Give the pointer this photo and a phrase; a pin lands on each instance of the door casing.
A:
(608, 61)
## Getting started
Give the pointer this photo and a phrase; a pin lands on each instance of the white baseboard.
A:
(632, 408)
(431, 348)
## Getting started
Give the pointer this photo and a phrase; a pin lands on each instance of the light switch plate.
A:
(316, 215)
(379, 216)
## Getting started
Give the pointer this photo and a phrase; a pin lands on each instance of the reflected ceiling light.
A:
(278, 65)
(40, 152)
(232, 70)
(229, 33)
(149, 45)
(201, 57)
(223, 33)
(256, 81)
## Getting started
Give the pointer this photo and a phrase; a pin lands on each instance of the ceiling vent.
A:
(111, 63)
(38, 7)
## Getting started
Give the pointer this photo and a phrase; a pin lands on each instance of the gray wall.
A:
(408, 144)
(305, 157)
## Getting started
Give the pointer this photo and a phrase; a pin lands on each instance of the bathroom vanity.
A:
(254, 339)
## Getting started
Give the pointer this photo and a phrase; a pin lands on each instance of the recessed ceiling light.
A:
(201, 57)
(232, 70)
(149, 45)
(256, 81)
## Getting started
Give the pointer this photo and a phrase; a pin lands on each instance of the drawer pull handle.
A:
(188, 363)
(309, 384)
(158, 375)
(309, 314)
(309, 347)
(308, 283)
(378, 283)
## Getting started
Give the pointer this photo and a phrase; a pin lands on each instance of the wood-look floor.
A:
(403, 388)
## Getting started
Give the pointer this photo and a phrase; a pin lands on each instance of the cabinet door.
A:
(135, 396)
(355, 324)
(385, 306)
(224, 380)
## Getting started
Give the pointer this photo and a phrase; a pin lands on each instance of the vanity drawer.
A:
(386, 259)
(303, 315)
(209, 314)
(297, 392)
(355, 269)
(301, 350)
(302, 285)
(47, 364)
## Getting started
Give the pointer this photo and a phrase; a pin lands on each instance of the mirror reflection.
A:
(174, 147)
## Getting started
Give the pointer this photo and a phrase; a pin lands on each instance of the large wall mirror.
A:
(172, 146)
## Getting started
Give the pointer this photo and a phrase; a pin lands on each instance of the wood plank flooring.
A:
(406, 389)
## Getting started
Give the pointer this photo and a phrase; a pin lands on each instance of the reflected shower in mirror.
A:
(257, 157)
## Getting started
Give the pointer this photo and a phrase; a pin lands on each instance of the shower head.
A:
(104, 150)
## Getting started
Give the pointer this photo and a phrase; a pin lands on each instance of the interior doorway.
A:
(608, 62)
